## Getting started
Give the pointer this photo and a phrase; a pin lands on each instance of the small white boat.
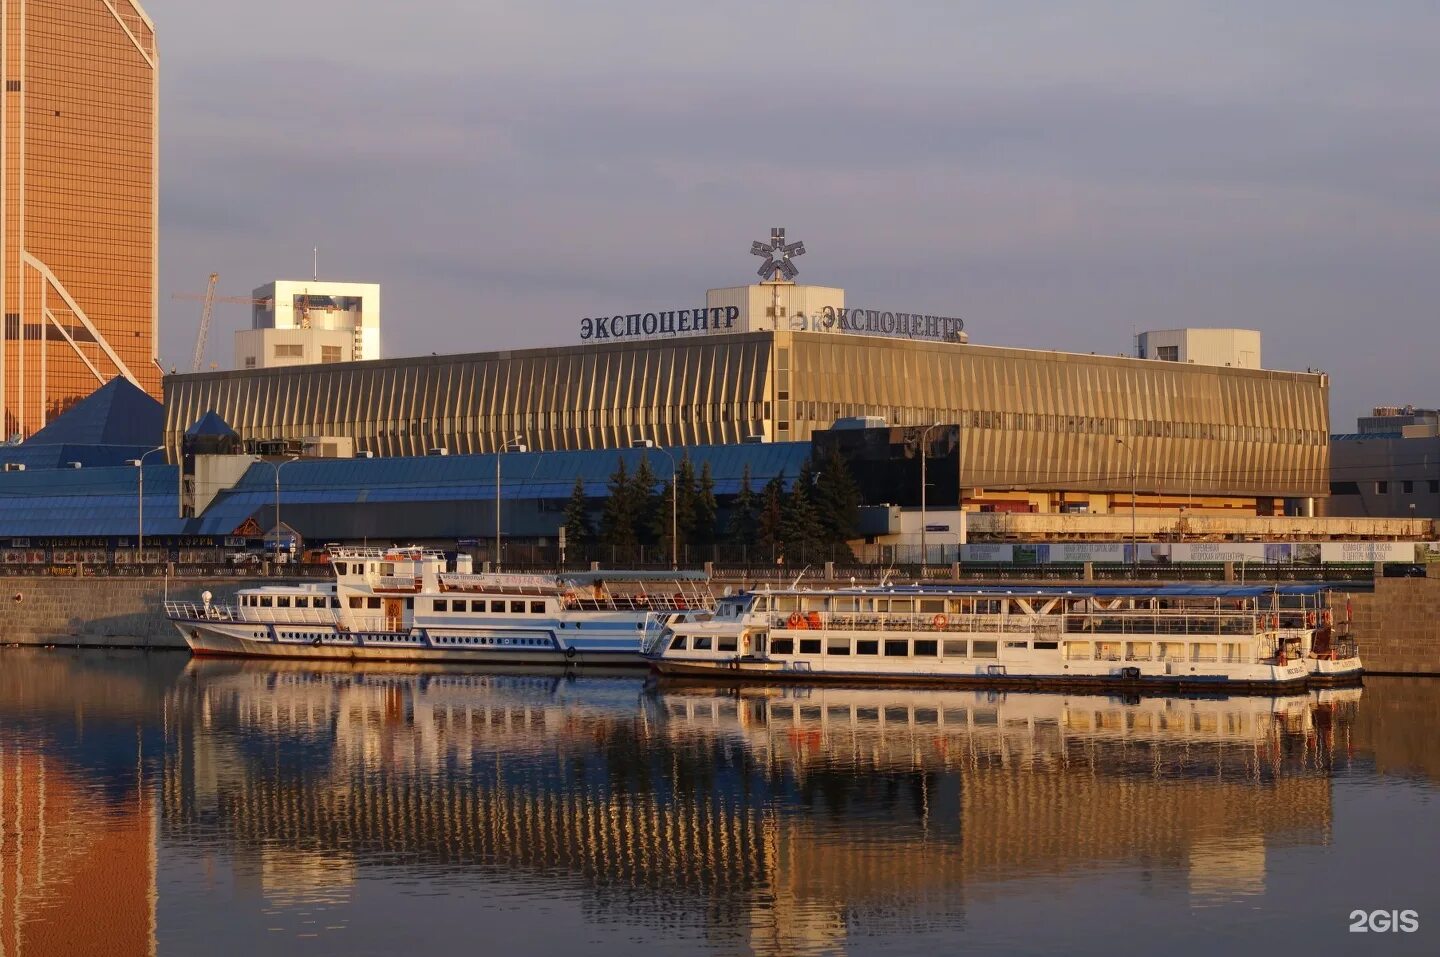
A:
(409, 604)
(1161, 637)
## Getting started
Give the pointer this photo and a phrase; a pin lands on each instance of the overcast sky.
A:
(1060, 175)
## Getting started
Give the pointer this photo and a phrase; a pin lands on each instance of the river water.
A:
(154, 804)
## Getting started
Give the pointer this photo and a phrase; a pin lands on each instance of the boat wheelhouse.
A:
(1162, 636)
(412, 604)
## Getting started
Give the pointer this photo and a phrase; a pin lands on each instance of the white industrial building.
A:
(306, 322)
(1235, 348)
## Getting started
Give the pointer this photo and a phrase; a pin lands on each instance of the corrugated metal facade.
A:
(1030, 419)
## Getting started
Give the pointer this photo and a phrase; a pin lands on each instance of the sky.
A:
(1060, 175)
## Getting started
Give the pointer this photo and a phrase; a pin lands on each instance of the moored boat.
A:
(412, 604)
(1161, 637)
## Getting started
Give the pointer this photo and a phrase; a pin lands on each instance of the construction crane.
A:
(204, 335)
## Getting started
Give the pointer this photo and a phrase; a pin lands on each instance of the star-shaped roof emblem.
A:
(777, 255)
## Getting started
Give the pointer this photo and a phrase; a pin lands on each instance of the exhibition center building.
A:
(777, 362)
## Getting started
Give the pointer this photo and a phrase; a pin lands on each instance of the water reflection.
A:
(769, 820)
(278, 798)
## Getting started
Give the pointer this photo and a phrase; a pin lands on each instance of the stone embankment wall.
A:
(98, 612)
(1398, 625)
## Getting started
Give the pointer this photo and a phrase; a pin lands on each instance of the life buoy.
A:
(1329, 617)
(939, 622)
(795, 621)
(570, 652)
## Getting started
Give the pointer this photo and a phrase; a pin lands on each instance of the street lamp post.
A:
(1134, 541)
(140, 504)
(674, 501)
(277, 466)
(924, 488)
(518, 446)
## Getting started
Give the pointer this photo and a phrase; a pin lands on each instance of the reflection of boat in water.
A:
(773, 821)
(407, 604)
(1156, 638)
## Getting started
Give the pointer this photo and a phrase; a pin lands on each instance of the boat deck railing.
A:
(218, 611)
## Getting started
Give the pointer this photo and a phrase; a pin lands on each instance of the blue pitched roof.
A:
(117, 413)
(209, 424)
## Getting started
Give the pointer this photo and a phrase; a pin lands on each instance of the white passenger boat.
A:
(409, 604)
(1163, 637)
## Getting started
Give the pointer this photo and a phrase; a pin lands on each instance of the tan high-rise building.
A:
(78, 204)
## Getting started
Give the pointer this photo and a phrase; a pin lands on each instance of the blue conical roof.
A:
(209, 424)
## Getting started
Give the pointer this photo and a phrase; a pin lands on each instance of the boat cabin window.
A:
(867, 646)
(356, 601)
(497, 606)
(302, 602)
(387, 568)
(955, 648)
(726, 643)
(537, 608)
(786, 603)
(340, 568)
(809, 646)
(902, 605)
(265, 601)
(372, 602)
(896, 647)
(477, 604)
(702, 643)
(838, 646)
(932, 605)
(782, 646)
(439, 604)
(282, 601)
(517, 608)
(983, 649)
(677, 643)
(335, 601)
(926, 648)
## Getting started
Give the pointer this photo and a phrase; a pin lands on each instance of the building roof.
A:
(117, 413)
(101, 502)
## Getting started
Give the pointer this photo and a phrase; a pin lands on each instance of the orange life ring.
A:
(939, 622)
(1329, 617)
(795, 621)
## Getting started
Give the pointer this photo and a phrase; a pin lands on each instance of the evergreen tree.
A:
(837, 504)
(770, 516)
(617, 520)
(800, 530)
(705, 508)
(646, 503)
(578, 533)
(740, 529)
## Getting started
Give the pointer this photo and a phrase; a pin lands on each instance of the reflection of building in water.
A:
(74, 878)
(774, 823)
(77, 833)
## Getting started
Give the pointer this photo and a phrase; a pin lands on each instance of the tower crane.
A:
(204, 334)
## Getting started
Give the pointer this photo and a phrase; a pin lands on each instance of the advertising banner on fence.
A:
(1367, 552)
(1219, 552)
(988, 553)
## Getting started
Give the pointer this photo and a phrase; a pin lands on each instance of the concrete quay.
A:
(1397, 624)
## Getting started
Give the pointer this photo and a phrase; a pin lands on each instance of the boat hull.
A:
(1264, 679)
(206, 639)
